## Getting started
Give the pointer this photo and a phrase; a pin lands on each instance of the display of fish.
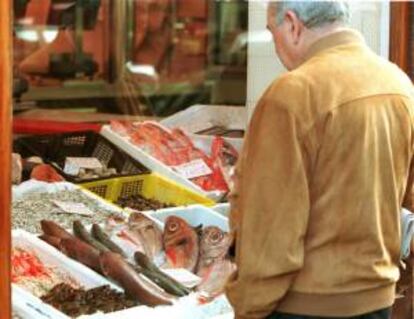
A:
(144, 233)
(174, 147)
(146, 292)
(180, 243)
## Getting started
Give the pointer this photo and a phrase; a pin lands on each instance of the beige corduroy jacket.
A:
(321, 182)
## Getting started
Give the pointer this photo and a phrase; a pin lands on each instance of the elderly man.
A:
(323, 175)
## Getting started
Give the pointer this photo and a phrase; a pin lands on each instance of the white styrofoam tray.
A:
(32, 186)
(199, 117)
(154, 164)
(223, 209)
(204, 142)
(194, 215)
(26, 303)
(29, 306)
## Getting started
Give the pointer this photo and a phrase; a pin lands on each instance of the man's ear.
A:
(295, 25)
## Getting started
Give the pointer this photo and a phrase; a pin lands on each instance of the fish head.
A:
(147, 233)
(176, 231)
(214, 242)
(180, 243)
(140, 223)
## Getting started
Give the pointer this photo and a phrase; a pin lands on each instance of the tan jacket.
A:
(321, 182)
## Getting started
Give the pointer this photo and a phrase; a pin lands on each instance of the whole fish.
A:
(145, 233)
(146, 292)
(180, 243)
(214, 267)
(99, 234)
(81, 251)
(214, 246)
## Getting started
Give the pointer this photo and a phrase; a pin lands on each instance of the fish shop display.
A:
(76, 302)
(30, 273)
(30, 209)
(141, 203)
(96, 253)
(202, 250)
(174, 148)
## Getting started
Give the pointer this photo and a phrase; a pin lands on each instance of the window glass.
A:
(140, 57)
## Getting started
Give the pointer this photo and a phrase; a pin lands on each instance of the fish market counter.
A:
(76, 255)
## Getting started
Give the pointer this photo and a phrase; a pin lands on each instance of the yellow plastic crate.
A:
(151, 186)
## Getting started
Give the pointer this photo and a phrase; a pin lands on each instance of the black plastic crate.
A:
(55, 148)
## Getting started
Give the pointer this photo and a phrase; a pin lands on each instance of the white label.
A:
(183, 276)
(73, 208)
(193, 169)
(74, 164)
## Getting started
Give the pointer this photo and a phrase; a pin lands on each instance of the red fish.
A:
(180, 243)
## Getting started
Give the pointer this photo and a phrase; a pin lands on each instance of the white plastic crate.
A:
(154, 164)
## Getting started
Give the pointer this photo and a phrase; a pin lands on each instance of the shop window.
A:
(130, 57)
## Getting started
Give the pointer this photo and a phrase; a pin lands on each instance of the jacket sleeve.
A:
(408, 201)
(274, 207)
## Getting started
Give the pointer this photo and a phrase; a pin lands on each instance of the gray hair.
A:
(314, 14)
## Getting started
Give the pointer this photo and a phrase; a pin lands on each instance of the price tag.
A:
(183, 276)
(74, 164)
(73, 208)
(193, 169)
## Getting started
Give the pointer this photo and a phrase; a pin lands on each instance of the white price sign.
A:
(74, 164)
(193, 169)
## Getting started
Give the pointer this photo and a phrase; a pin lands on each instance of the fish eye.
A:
(172, 226)
(216, 236)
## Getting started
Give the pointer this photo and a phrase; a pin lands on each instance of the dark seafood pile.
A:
(77, 302)
(141, 203)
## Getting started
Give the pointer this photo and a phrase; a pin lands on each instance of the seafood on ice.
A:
(174, 148)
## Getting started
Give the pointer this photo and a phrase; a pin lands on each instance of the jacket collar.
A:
(347, 36)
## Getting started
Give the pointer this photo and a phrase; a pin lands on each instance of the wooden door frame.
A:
(5, 155)
(400, 32)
